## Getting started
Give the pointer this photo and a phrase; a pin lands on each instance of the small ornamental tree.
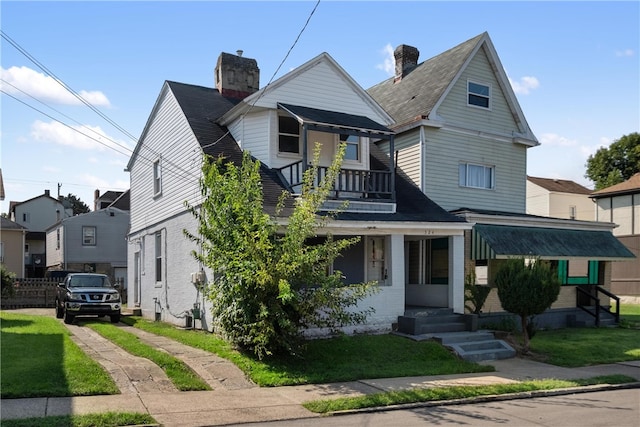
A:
(526, 290)
(8, 281)
(270, 282)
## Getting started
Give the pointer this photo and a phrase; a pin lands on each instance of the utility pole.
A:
(59, 186)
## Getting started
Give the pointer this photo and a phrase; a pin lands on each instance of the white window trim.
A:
(95, 236)
(361, 143)
(157, 178)
(158, 254)
(489, 98)
(278, 133)
(467, 164)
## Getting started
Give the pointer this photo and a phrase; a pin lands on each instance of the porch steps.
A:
(476, 346)
(131, 311)
(420, 321)
(452, 331)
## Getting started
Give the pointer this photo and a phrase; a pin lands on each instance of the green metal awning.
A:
(502, 241)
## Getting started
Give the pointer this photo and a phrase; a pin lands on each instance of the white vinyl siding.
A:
(537, 200)
(622, 215)
(496, 120)
(253, 134)
(446, 150)
(167, 133)
(409, 155)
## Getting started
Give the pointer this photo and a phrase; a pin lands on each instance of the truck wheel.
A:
(59, 310)
(115, 318)
(68, 318)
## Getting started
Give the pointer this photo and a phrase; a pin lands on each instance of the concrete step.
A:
(430, 328)
(476, 346)
(131, 311)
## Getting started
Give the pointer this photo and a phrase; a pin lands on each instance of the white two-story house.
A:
(462, 137)
(317, 102)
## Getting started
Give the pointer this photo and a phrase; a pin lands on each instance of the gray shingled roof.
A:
(559, 185)
(630, 186)
(407, 100)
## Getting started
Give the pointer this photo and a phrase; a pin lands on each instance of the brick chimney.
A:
(406, 59)
(236, 77)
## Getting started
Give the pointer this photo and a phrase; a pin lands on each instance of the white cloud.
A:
(51, 169)
(46, 88)
(552, 139)
(388, 64)
(524, 85)
(81, 137)
(625, 52)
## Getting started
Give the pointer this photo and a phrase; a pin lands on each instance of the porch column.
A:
(456, 273)
(396, 273)
(305, 154)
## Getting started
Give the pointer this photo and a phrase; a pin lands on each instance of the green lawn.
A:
(344, 358)
(630, 315)
(109, 419)
(39, 359)
(434, 394)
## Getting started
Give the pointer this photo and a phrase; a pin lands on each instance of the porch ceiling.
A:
(334, 120)
(502, 241)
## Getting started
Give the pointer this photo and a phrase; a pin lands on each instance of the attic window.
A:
(478, 94)
(288, 135)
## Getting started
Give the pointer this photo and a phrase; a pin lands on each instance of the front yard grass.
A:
(345, 358)
(573, 347)
(39, 359)
(109, 419)
(452, 392)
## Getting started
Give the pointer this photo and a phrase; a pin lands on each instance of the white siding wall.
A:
(537, 200)
(169, 139)
(409, 155)
(41, 213)
(320, 86)
(622, 215)
(446, 150)
(560, 203)
(253, 134)
(54, 253)
(498, 119)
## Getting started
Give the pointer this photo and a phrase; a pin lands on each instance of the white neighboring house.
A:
(36, 215)
(559, 198)
(94, 242)
(316, 102)
(462, 137)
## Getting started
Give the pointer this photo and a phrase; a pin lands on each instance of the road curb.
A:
(490, 398)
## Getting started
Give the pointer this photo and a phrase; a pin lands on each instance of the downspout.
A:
(24, 243)
(423, 160)
(392, 167)
(64, 246)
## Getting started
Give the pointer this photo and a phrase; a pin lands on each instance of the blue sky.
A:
(574, 66)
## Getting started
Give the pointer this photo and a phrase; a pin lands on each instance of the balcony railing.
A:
(350, 183)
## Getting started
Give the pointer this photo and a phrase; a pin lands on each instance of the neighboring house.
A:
(12, 243)
(119, 199)
(401, 229)
(94, 242)
(36, 215)
(462, 137)
(559, 198)
(620, 204)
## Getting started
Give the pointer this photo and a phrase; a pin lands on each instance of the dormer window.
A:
(478, 94)
(288, 135)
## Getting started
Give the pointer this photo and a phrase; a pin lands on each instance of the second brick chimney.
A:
(406, 59)
(236, 77)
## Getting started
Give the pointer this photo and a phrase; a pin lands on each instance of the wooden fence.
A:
(39, 293)
(31, 293)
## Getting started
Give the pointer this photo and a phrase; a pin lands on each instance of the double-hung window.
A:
(352, 151)
(288, 135)
(88, 236)
(478, 95)
(476, 176)
(157, 178)
(158, 253)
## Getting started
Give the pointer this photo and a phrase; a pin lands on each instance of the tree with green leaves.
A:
(78, 206)
(616, 163)
(8, 281)
(526, 289)
(270, 283)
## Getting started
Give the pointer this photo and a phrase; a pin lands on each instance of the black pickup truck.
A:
(87, 294)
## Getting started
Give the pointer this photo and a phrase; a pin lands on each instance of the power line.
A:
(64, 85)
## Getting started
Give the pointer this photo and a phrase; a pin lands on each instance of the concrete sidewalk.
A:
(234, 399)
(255, 404)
